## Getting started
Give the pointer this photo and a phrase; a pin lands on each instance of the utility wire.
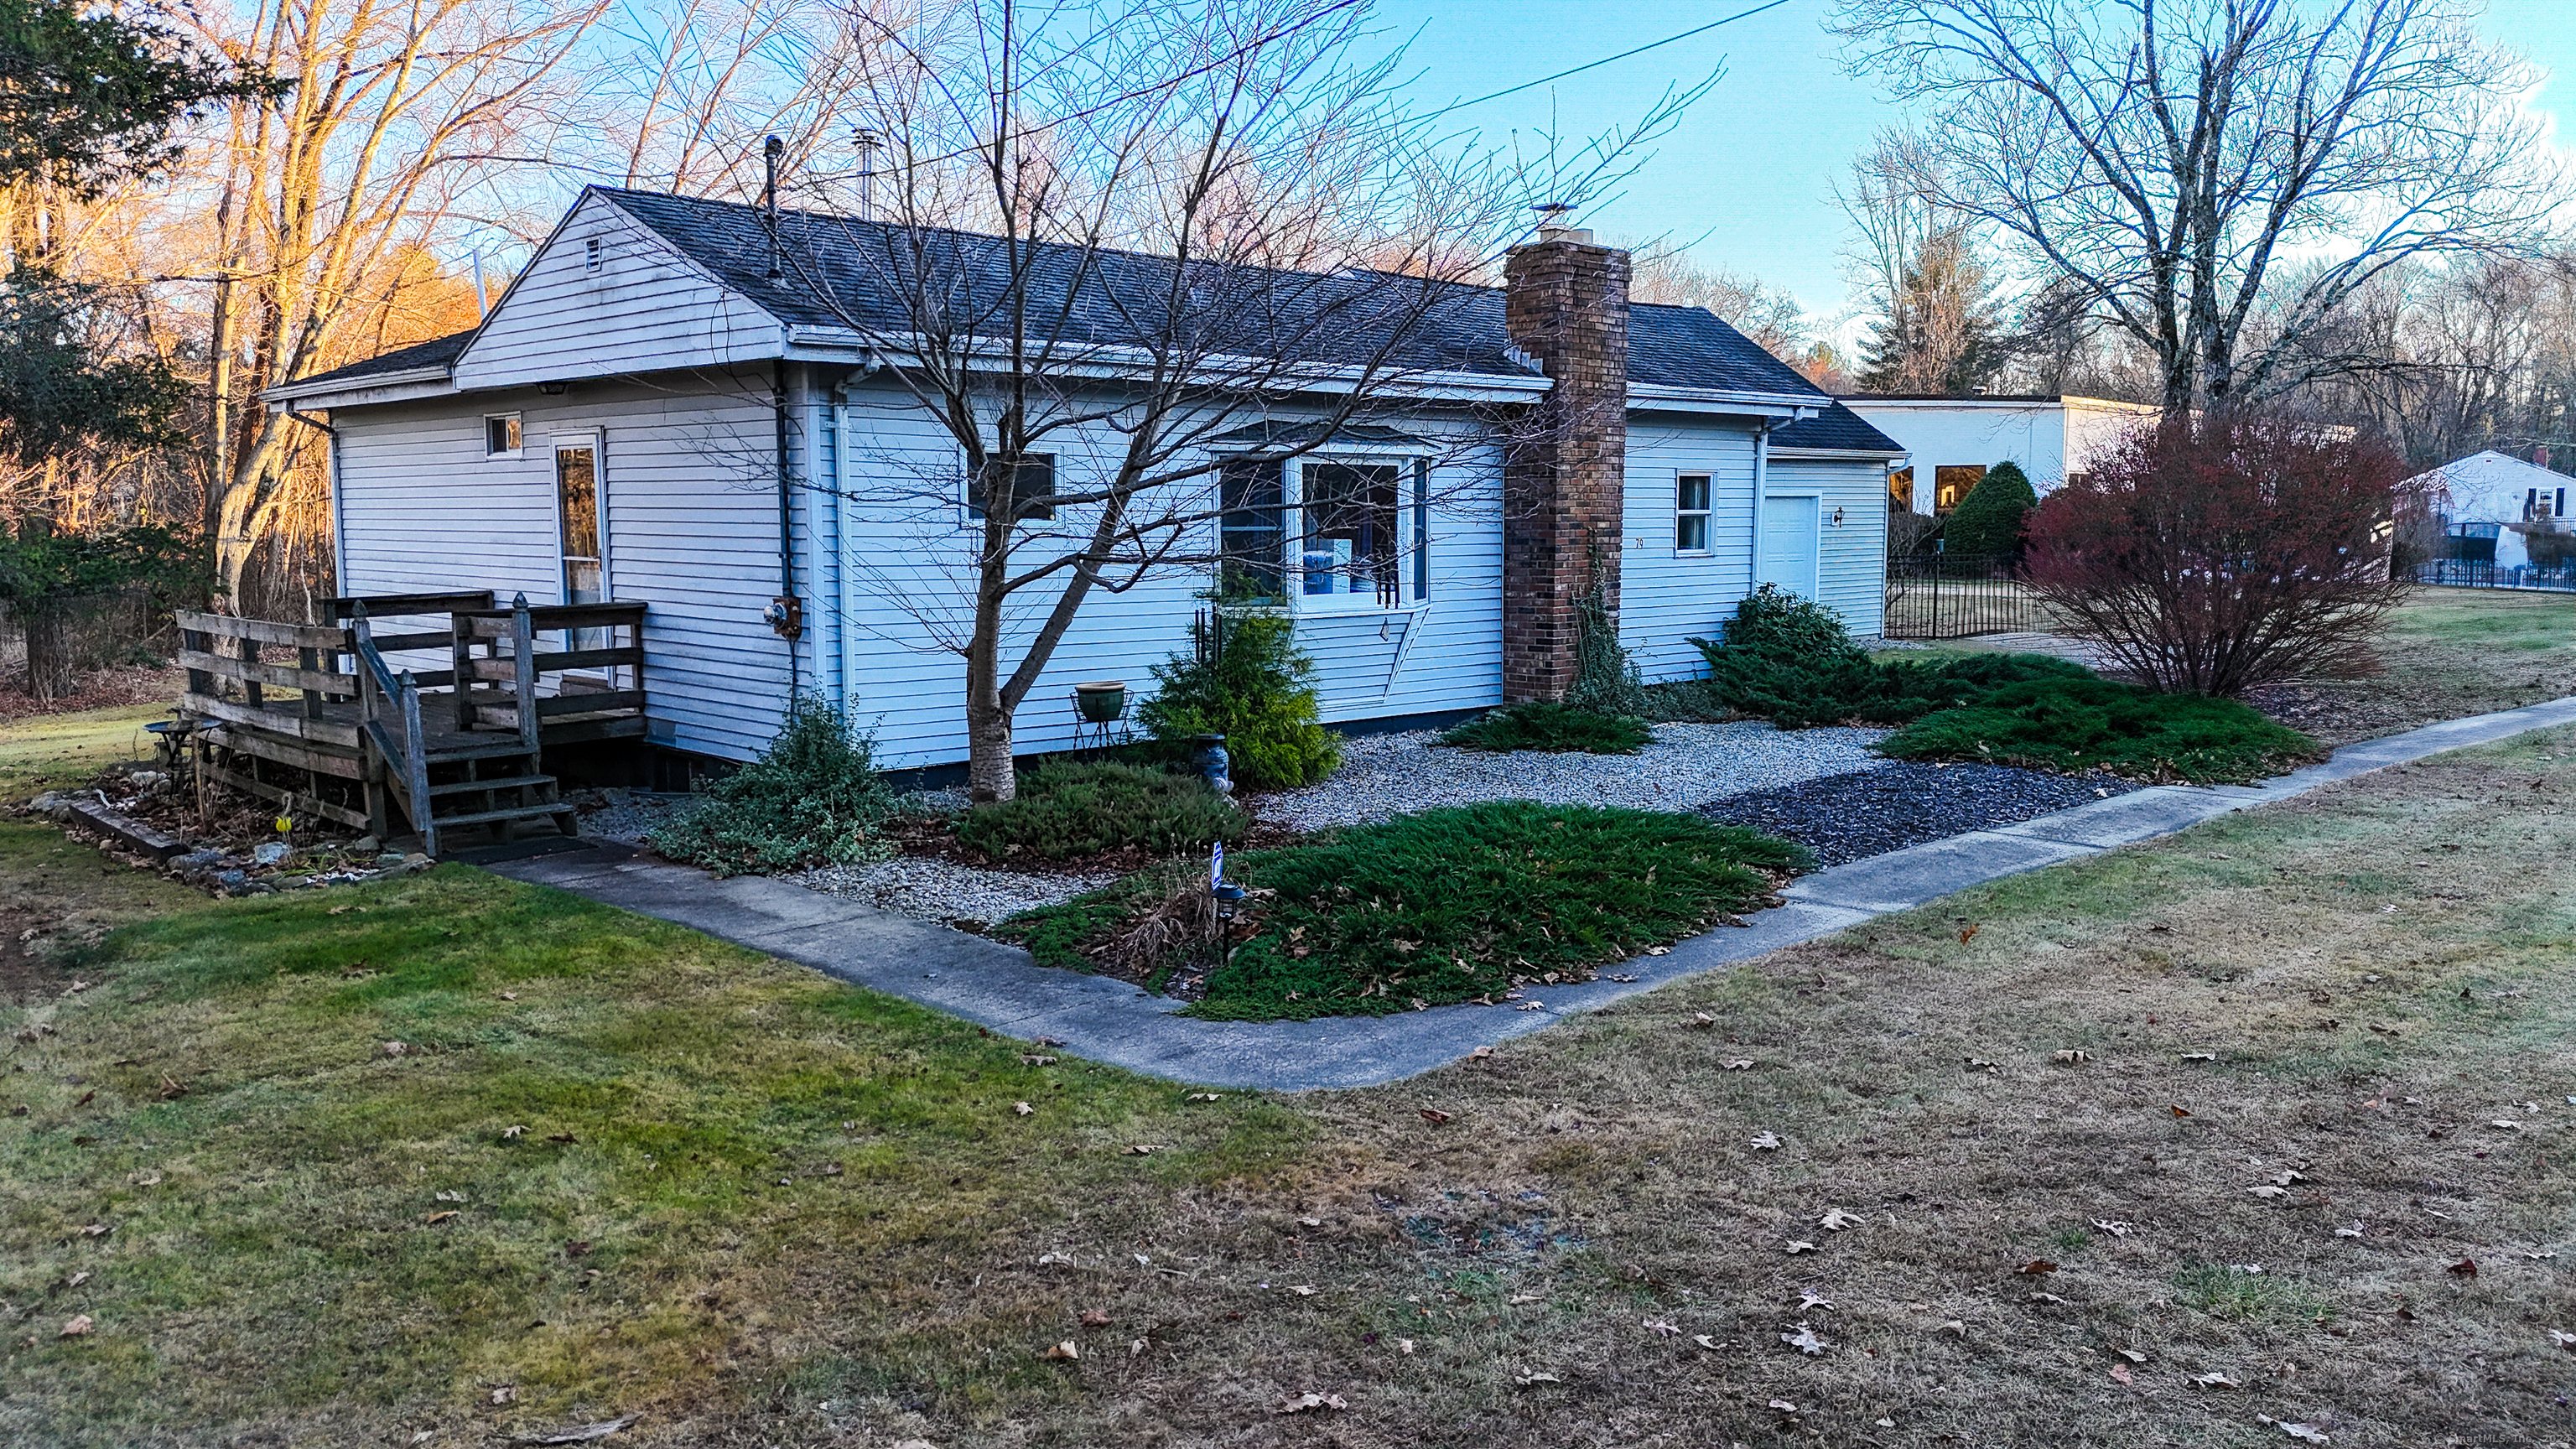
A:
(1263, 40)
(1606, 60)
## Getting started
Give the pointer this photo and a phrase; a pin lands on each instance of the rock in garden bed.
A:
(1871, 812)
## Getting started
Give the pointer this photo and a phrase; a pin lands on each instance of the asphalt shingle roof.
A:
(1838, 429)
(1301, 316)
(436, 352)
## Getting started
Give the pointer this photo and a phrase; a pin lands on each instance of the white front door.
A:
(1789, 535)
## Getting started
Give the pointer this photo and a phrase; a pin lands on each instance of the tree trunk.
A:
(989, 776)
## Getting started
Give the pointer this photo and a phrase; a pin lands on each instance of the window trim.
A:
(518, 425)
(1412, 524)
(1706, 513)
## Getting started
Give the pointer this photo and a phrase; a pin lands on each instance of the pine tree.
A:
(1941, 333)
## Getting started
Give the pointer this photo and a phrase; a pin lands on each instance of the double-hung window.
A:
(1339, 535)
(1691, 513)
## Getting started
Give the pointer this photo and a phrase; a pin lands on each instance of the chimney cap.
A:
(1552, 227)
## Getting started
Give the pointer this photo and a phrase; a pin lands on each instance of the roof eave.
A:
(404, 386)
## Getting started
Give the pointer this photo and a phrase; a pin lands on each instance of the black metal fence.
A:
(1954, 596)
(2486, 574)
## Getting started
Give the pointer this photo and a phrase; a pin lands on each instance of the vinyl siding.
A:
(647, 309)
(1851, 557)
(906, 572)
(1666, 597)
(689, 514)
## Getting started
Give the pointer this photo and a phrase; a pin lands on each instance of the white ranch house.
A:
(648, 415)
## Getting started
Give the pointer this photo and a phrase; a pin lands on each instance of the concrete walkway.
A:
(1112, 1021)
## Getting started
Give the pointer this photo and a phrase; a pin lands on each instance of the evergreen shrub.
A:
(813, 798)
(1246, 679)
(1064, 809)
(1989, 521)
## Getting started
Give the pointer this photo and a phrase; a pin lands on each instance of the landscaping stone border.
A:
(1113, 1021)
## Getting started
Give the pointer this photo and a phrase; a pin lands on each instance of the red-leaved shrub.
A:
(2214, 556)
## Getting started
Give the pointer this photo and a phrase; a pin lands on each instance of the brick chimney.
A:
(1565, 303)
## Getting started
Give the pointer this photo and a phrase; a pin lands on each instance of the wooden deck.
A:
(343, 733)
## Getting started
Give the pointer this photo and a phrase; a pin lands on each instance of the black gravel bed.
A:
(1888, 807)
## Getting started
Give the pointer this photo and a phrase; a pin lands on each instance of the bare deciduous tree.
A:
(1770, 317)
(1206, 238)
(316, 201)
(2168, 155)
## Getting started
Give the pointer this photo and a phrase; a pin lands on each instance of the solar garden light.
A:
(1227, 895)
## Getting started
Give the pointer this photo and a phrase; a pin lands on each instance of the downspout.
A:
(339, 515)
(786, 613)
(1761, 491)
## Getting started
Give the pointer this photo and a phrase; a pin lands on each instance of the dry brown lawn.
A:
(2320, 1069)
(2325, 1040)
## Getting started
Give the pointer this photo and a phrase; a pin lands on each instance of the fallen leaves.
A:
(1805, 1341)
(1835, 1220)
(2120, 1373)
(1067, 1350)
(77, 1326)
(1482, 1053)
(1536, 1376)
(1024, 1109)
(1700, 1021)
(2563, 1339)
(1661, 1326)
(1801, 1247)
(1434, 1116)
(2036, 1268)
(1036, 1059)
(1740, 1064)
(2304, 1433)
(2071, 1057)
(2465, 1268)
(1310, 1402)
(1093, 1318)
(1968, 935)
(2116, 1227)
(513, 1134)
(2267, 1192)
(2214, 1380)
(506, 1394)
(1140, 1149)
(434, 1219)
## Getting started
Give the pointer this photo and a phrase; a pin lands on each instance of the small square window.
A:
(1034, 478)
(501, 435)
(1690, 513)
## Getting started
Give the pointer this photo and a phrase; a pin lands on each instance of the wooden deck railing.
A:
(458, 745)
(301, 731)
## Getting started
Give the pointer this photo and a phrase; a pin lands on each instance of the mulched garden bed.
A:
(1850, 817)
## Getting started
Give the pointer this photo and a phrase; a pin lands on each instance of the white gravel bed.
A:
(942, 890)
(1688, 765)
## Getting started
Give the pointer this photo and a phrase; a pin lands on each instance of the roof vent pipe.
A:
(770, 151)
(868, 140)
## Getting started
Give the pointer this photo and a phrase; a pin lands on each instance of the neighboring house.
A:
(2491, 505)
(1950, 442)
(648, 414)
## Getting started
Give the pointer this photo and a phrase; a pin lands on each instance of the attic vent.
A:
(591, 255)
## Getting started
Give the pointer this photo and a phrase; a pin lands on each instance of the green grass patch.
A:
(2086, 723)
(2228, 1291)
(1556, 728)
(1064, 809)
(706, 1132)
(1448, 905)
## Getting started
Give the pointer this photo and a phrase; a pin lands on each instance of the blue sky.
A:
(1750, 169)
